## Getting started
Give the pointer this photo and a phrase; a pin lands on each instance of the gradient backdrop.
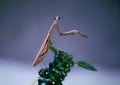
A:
(25, 23)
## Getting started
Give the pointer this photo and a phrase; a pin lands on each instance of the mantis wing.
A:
(43, 50)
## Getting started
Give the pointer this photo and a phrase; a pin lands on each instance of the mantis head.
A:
(57, 18)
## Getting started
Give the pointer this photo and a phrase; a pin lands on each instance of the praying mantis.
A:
(45, 46)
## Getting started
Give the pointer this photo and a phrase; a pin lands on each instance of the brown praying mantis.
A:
(45, 46)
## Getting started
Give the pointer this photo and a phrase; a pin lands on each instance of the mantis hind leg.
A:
(54, 43)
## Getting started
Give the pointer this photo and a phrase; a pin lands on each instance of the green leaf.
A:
(86, 66)
(53, 49)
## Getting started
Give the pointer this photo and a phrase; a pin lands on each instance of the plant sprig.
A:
(59, 68)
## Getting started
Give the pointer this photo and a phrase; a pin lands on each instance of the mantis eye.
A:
(55, 18)
(58, 17)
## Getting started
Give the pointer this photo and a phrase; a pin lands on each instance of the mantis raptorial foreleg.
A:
(44, 48)
(69, 33)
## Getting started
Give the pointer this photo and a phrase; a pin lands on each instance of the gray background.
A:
(25, 23)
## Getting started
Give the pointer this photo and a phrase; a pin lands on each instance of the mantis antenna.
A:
(45, 46)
